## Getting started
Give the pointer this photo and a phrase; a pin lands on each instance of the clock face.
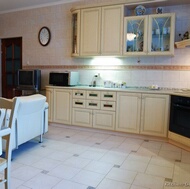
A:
(44, 36)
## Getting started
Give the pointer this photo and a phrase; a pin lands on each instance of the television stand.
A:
(25, 91)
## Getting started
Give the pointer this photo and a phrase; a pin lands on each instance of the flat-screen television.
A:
(29, 79)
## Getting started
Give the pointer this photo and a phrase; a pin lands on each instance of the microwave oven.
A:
(64, 78)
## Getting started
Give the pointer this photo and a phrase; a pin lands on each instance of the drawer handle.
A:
(79, 103)
(108, 105)
(91, 94)
(108, 96)
(78, 94)
(92, 104)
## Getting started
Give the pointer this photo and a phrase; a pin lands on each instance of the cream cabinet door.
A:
(82, 117)
(128, 112)
(90, 31)
(104, 120)
(49, 96)
(155, 112)
(62, 106)
(161, 34)
(112, 30)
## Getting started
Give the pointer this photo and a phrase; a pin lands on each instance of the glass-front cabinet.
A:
(149, 34)
(135, 35)
(75, 32)
(161, 33)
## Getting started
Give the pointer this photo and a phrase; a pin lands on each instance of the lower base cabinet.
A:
(155, 115)
(93, 118)
(82, 117)
(128, 112)
(142, 113)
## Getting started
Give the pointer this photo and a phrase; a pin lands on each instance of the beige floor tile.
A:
(65, 184)
(161, 171)
(160, 161)
(137, 166)
(88, 178)
(137, 187)
(121, 175)
(181, 173)
(152, 144)
(99, 167)
(65, 172)
(114, 157)
(170, 147)
(59, 155)
(25, 173)
(46, 164)
(42, 181)
(77, 162)
(92, 155)
(170, 155)
(112, 184)
(137, 157)
(149, 181)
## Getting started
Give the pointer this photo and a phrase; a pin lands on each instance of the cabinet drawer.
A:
(94, 95)
(108, 105)
(79, 103)
(93, 104)
(79, 94)
(108, 95)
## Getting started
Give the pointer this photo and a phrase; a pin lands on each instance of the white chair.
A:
(32, 119)
(6, 134)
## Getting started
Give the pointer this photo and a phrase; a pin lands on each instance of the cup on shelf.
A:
(165, 30)
(157, 31)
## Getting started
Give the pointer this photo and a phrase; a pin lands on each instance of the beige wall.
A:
(27, 23)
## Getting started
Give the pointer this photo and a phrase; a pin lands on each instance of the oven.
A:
(180, 115)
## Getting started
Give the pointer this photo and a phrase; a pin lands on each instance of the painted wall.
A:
(57, 55)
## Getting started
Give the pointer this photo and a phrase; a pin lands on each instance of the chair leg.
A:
(7, 177)
(41, 139)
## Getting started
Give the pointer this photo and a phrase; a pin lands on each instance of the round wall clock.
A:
(44, 36)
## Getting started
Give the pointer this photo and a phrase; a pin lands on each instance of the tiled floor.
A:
(75, 158)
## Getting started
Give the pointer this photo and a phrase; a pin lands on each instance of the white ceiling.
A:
(15, 5)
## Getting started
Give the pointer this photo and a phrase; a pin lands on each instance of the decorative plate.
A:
(140, 10)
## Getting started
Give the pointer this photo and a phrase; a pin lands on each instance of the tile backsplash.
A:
(27, 23)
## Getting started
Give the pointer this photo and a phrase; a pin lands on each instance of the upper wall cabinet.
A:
(161, 34)
(90, 31)
(101, 31)
(149, 35)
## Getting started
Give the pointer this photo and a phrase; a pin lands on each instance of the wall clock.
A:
(44, 36)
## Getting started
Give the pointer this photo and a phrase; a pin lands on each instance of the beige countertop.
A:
(168, 91)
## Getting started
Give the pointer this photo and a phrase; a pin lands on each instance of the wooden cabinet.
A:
(90, 31)
(154, 115)
(76, 32)
(149, 35)
(128, 112)
(62, 106)
(146, 114)
(101, 31)
(49, 96)
(112, 30)
(94, 109)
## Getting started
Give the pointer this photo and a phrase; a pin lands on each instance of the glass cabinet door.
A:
(161, 30)
(135, 35)
(75, 32)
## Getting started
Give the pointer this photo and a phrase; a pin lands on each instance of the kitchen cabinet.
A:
(154, 115)
(76, 32)
(94, 109)
(62, 106)
(49, 96)
(135, 35)
(128, 112)
(149, 35)
(90, 31)
(101, 31)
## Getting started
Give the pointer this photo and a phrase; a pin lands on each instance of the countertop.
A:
(168, 91)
